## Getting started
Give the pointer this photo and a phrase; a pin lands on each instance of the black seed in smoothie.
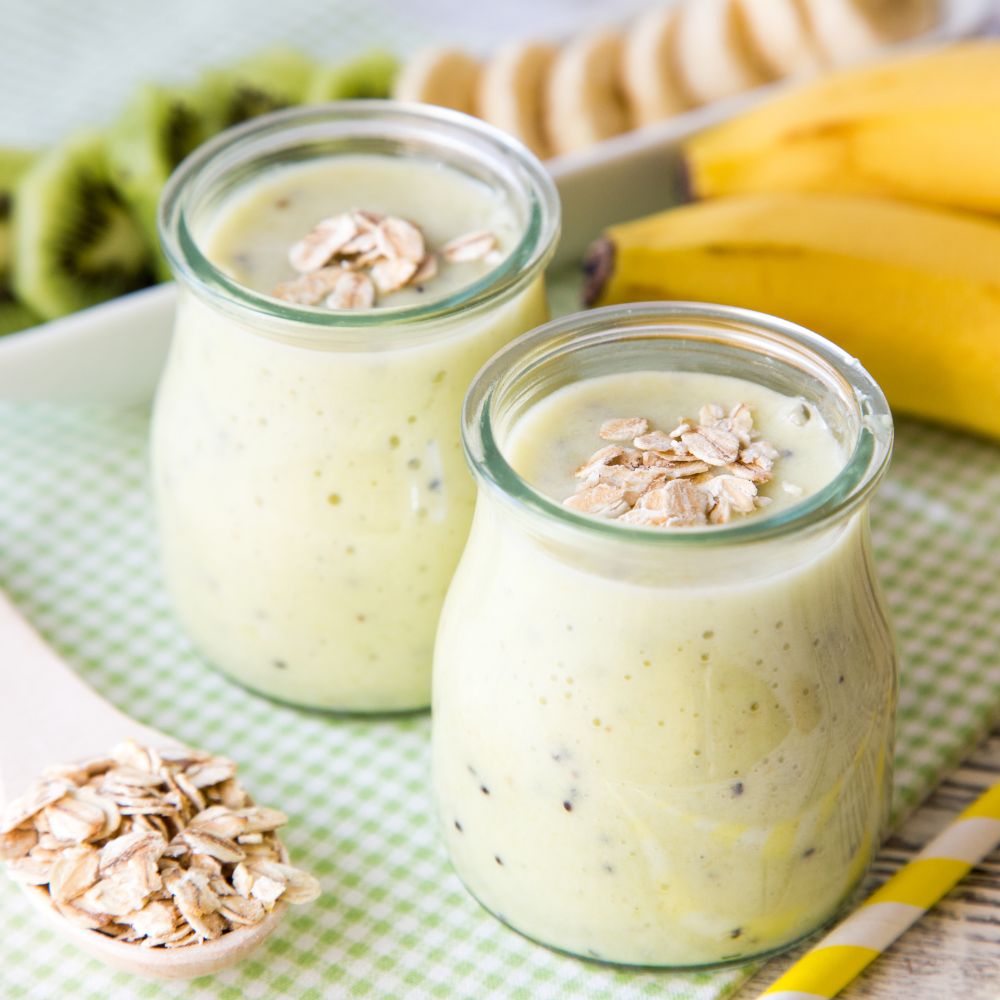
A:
(434, 485)
(280, 664)
(568, 806)
(809, 852)
(840, 679)
(498, 860)
(736, 788)
(458, 826)
(609, 868)
(736, 932)
(484, 790)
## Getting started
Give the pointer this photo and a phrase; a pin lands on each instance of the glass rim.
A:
(850, 487)
(464, 134)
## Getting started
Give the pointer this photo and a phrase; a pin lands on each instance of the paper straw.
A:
(856, 942)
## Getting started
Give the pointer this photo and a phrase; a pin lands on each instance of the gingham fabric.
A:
(77, 554)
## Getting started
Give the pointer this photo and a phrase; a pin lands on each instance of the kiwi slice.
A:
(13, 163)
(370, 75)
(76, 242)
(14, 316)
(273, 79)
(157, 129)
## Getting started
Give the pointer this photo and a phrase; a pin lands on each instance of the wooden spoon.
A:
(49, 716)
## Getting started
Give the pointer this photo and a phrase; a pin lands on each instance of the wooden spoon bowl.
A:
(49, 716)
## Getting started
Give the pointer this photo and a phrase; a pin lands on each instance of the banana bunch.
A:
(805, 229)
(924, 128)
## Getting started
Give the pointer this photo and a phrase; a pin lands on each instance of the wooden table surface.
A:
(953, 953)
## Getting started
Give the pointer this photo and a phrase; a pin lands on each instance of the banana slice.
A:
(512, 91)
(779, 35)
(850, 30)
(649, 74)
(584, 100)
(714, 59)
(443, 76)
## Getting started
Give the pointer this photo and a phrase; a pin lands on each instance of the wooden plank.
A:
(953, 953)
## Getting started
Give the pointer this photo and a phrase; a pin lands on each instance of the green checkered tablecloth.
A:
(76, 553)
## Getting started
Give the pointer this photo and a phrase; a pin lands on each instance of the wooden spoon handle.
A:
(47, 714)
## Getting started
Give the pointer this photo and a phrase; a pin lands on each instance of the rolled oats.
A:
(470, 246)
(699, 473)
(317, 248)
(352, 290)
(603, 499)
(623, 428)
(380, 253)
(142, 847)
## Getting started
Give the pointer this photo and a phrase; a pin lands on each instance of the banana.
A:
(584, 101)
(922, 128)
(442, 76)
(851, 30)
(649, 73)
(779, 35)
(511, 92)
(713, 57)
(910, 290)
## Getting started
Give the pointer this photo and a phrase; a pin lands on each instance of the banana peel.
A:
(923, 128)
(912, 291)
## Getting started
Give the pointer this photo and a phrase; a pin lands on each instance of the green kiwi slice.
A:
(13, 164)
(273, 79)
(76, 242)
(370, 75)
(157, 129)
(14, 316)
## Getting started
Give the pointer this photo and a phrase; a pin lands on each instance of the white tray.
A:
(113, 353)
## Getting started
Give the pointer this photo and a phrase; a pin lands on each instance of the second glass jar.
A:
(667, 748)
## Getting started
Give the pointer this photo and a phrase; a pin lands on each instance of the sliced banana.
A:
(779, 35)
(713, 57)
(511, 92)
(851, 30)
(444, 76)
(649, 73)
(584, 99)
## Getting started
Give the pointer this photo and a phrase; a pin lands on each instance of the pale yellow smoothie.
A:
(677, 757)
(310, 488)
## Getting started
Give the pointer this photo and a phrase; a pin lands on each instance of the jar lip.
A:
(408, 123)
(853, 484)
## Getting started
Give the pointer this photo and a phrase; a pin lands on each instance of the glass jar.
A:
(666, 748)
(311, 494)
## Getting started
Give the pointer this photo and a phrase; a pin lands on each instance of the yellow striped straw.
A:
(897, 905)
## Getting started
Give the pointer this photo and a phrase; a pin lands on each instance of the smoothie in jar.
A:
(664, 678)
(344, 272)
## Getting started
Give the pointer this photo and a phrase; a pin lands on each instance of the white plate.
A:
(113, 353)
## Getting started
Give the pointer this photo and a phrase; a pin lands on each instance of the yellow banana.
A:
(922, 128)
(913, 292)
